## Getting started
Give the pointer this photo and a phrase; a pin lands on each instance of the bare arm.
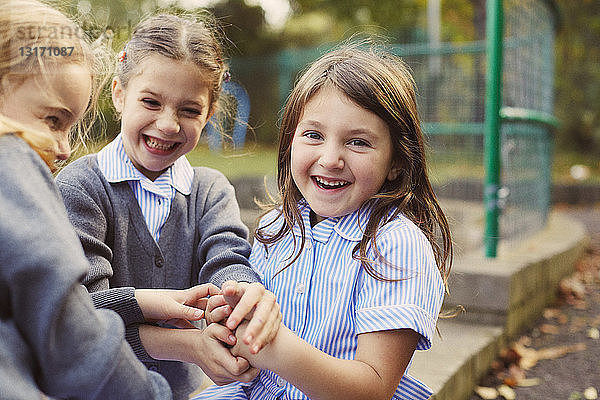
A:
(380, 361)
(204, 348)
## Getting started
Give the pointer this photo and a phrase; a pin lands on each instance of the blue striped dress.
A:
(154, 197)
(328, 299)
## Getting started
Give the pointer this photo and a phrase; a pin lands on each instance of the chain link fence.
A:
(451, 86)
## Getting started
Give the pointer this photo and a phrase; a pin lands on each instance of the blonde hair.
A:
(43, 143)
(28, 26)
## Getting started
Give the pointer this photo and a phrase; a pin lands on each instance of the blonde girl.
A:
(54, 341)
(358, 250)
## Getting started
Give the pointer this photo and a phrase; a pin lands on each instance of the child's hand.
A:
(256, 304)
(217, 310)
(175, 306)
(216, 360)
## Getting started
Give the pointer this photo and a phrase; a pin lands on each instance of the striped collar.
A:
(116, 166)
(350, 226)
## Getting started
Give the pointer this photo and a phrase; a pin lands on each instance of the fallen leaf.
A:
(507, 392)
(530, 357)
(486, 393)
(515, 374)
(590, 393)
(571, 286)
(528, 382)
(550, 353)
(551, 313)
(509, 356)
(549, 329)
(562, 319)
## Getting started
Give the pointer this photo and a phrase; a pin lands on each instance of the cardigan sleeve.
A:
(90, 222)
(79, 351)
(223, 240)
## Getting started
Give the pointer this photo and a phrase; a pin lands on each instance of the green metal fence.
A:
(451, 79)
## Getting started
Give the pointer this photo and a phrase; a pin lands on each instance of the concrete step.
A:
(457, 358)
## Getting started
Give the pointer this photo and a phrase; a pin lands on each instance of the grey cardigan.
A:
(53, 340)
(202, 240)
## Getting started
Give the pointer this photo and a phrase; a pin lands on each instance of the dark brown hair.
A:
(380, 82)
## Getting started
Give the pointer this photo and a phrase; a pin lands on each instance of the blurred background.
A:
(551, 67)
(260, 30)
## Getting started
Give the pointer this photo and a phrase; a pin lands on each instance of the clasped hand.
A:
(224, 310)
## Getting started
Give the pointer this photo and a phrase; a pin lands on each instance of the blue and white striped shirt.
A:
(154, 197)
(328, 299)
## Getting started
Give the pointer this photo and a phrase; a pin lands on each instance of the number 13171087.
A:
(46, 51)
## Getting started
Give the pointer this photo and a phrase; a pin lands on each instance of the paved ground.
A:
(565, 341)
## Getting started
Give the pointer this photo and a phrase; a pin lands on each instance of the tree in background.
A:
(254, 46)
(578, 75)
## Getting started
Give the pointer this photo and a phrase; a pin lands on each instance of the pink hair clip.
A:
(122, 56)
(226, 76)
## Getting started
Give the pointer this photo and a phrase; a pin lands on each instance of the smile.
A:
(329, 184)
(158, 144)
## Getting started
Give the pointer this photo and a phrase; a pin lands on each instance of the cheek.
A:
(299, 162)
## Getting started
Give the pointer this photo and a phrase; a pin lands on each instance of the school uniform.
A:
(180, 230)
(53, 339)
(328, 299)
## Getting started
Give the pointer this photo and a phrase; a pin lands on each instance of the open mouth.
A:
(157, 144)
(329, 183)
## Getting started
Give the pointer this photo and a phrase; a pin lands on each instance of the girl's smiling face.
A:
(164, 108)
(52, 102)
(341, 154)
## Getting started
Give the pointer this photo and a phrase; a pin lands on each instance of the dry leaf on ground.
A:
(486, 393)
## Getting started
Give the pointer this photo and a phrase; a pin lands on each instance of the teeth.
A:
(332, 184)
(155, 144)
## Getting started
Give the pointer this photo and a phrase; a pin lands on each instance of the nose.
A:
(64, 148)
(331, 157)
(168, 123)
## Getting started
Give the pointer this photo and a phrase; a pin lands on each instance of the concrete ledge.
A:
(515, 286)
(457, 359)
(502, 297)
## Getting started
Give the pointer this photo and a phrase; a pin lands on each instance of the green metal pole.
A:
(493, 102)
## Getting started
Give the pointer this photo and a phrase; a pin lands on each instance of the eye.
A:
(191, 112)
(359, 143)
(313, 135)
(53, 122)
(151, 103)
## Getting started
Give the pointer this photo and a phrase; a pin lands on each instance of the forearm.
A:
(317, 374)
(168, 344)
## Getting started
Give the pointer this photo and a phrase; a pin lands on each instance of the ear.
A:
(118, 94)
(394, 172)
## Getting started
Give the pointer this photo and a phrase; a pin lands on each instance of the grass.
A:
(261, 160)
(252, 161)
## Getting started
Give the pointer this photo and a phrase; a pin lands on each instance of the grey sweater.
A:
(52, 339)
(202, 240)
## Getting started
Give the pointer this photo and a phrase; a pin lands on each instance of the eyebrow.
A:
(185, 102)
(310, 122)
(319, 125)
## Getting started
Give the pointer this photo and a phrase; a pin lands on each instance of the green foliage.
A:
(254, 46)
(578, 75)
(319, 21)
